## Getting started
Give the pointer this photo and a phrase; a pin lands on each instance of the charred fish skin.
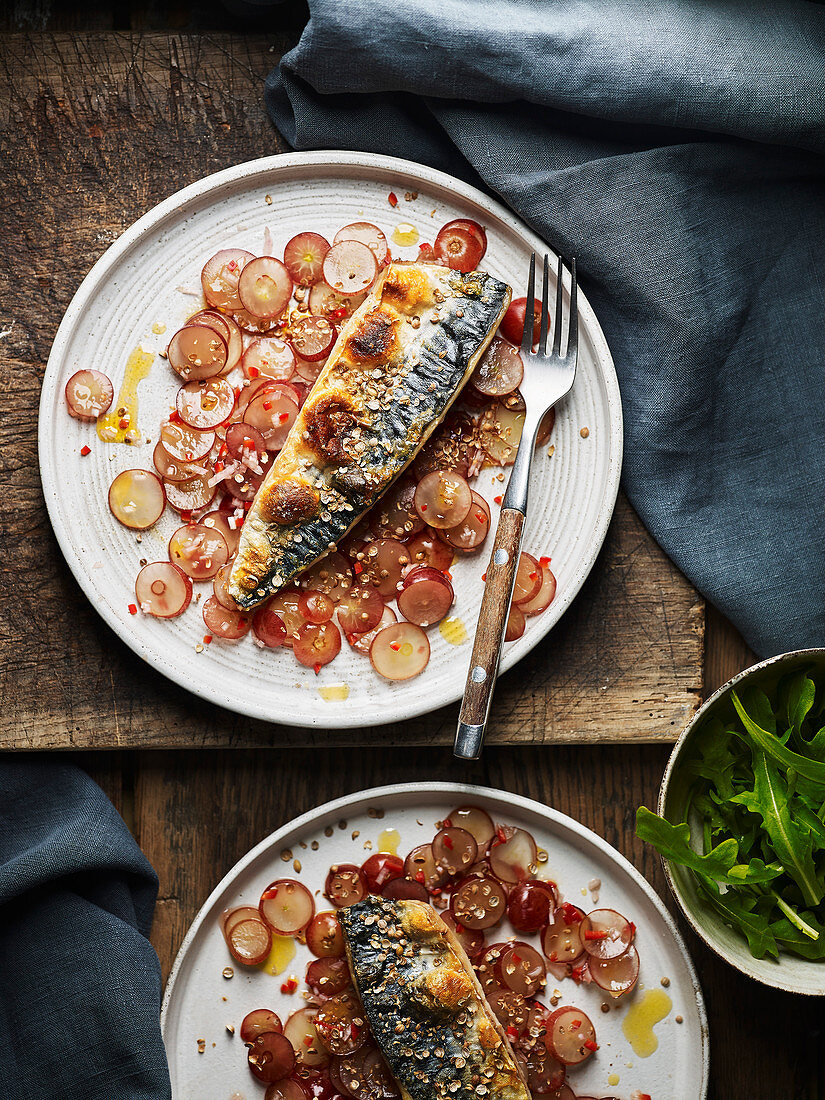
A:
(425, 1011)
(396, 369)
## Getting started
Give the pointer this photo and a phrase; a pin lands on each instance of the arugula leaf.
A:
(769, 743)
(793, 939)
(739, 911)
(801, 694)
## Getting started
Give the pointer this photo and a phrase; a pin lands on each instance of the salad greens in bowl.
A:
(741, 822)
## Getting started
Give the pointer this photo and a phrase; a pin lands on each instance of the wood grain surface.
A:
(94, 130)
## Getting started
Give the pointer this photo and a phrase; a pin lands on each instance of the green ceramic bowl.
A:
(791, 973)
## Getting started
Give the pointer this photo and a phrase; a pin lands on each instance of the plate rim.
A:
(478, 793)
(377, 164)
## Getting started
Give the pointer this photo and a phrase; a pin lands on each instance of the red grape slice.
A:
(426, 597)
(304, 257)
(443, 498)
(258, 1021)
(265, 287)
(420, 865)
(379, 869)
(364, 1075)
(269, 357)
(546, 427)
(191, 495)
(400, 651)
(312, 338)
(511, 1010)
(255, 326)
(545, 1074)
(473, 529)
(250, 942)
(231, 536)
(184, 443)
(499, 371)
(329, 975)
(316, 644)
(367, 234)
(512, 326)
(561, 940)
(229, 626)
(162, 590)
(173, 469)
(382, 566)
(220, 275)
(214, 320)
(469, 226)
(454, 849)
(606, 934)
(137, 499)
(89, 393)
(325, 938)
(285, 606)
(198, 550)
(500, 434)
(205, 405)
(316, 607)
(395, 516)
(488, 967)
(325, 302)
(513, 854)
(300, 1030)
(528, 579)
(362, 642)
(426, 549)
(271, 1057)
(530, 905)
(472, 942)
(287, 906)
(250, 390)
(345, 885)
(479, 902)
(571, 1036)
(308, 372)
(515, 624)
(219, 585)
(458, 248)
(477, 823)
(342, 1025)
(273, 414)
(522, 969)
(360, 609)
(268, 627)
(616, 976)
(231, 917)
(330, 575)
(242, 440)
(543, 598)
(196, 352)
(405, 890)
(288, 1089)
(350, 268)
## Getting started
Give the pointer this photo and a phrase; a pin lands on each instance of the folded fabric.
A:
(79, 982)
(675, 147)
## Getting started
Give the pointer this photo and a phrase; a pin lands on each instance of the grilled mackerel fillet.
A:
(396, 368)
(425, 1006)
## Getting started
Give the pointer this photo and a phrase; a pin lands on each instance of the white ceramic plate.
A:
(134, 286)
(199, 1002)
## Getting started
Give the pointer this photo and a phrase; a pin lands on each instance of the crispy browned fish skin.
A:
(425, 1007)
(397, 366)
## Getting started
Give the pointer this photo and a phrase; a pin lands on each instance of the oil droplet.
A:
(281, 955)
(613, 1079)
(388, 841)
(405, 234)
(334, 692)
(640, 1019)
(453, 630)
(158, 328)
(109, 430)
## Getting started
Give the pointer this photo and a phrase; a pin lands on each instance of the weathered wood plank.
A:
(93, 131)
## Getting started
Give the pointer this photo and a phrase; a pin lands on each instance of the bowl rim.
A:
(725, 689)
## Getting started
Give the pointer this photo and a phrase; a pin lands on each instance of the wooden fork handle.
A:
(492, 624)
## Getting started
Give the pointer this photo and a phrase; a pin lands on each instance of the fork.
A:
(547, 378)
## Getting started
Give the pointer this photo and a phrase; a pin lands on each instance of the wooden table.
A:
(95, 130)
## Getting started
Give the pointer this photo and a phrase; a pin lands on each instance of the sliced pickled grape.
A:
(543, 597)
(545, 1074)
(184, 443)
(288, 1089)
(255, 326)
(427, 549)
(488, 967)
(510, 1009)
(606, 934)
(196, 352)
(268, 627)
(273, 414)
(312, 337)
(400, 651)
(571, 1036)
(382, 565)
(458, 248)
(342, 1025)
(350, 267)
(513, 854)
(308, 371)
(405, 889)
(546, 427)
(479, 902)
(258, 1021)
(162, 590)
(219, 278)
(173, 469)
(250, 941)
(473, 529)
(248, 390)
(522, 969)
(500, 434)
(265, 287)
(223, 623)
(271, 1057)
(304, 257)
(89, 393)
(137, 499)
(421, 866)
(220, 588)
(360, 609)
(530, 905)
(285, 606)
(345, 885)
(426, 597)
(528, 579)
(561, 940)
(380, 868)
(368, 234)
(287, 906)
(499, 371)
(331, 575)
(242, 440)
(316, 607)
(363, 1075)
(300, 1030)
(191, 495)
(477, 823)
(205, 405)
(269, 357)
(198, 550)
(362, 642)
(328, 975)
(454, 849)
(443, 498)
(244, 483)
(616, 976)
(563, 1093)
(214, 320)
(394, 516)
(317, 644)
(326, 302)
(515, 624)
(472, 942)
(231, 917)
(325, 937)
(217, 521)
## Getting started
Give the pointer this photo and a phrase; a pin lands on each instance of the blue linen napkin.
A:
(675, 147)
(79, 982)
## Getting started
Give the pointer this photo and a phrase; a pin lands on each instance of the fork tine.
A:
(573, 325)
(557, 323)
(527, 331)
(544, 308)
